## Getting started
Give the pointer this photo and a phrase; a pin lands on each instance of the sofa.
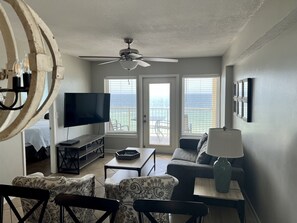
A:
(190, 161)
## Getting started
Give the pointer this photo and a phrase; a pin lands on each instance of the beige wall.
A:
(77, 78)
(266, 51)
(11, 152)
(11, 159)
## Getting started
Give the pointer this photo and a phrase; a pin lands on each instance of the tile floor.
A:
(216, 214)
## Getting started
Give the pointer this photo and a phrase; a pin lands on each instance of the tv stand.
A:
(72, 158)
(69, 142)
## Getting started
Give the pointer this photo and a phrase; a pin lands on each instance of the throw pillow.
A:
(202, 141)
(212, 160)
(203, 157)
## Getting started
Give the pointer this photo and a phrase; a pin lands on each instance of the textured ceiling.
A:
(160, 28)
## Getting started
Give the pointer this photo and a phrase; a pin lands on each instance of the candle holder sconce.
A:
(19, 84)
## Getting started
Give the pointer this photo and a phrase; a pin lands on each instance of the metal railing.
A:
(198, 119)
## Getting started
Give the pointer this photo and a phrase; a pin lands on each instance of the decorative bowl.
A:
(127, 154)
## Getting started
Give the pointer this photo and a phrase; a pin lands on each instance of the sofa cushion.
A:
(203, 157)
(186, 155)
(189, 143)
(201, 142)
(212, 160)
(237, 162)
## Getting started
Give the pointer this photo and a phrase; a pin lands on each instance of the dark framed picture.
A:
(242, 99)
(235, 107)
(235, 89)
(235, 97)
(245, 111)
(240, 107)
(240, 89)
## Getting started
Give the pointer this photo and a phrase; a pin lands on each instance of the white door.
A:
(159, 113)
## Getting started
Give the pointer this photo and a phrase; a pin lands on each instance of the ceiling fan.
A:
(130, 58)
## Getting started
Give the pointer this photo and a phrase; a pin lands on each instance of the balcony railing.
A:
(197, 120)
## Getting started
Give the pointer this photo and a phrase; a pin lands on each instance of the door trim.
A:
(177, 106)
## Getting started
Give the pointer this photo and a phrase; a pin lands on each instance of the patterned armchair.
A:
(56, 185)
(129, 190)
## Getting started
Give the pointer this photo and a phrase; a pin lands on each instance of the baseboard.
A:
(253, 211)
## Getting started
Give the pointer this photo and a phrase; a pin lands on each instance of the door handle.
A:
(144, 118)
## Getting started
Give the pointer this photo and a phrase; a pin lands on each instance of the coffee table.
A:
(204, 191)
(136, 164)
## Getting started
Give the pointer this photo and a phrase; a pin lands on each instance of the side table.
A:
(205, 191)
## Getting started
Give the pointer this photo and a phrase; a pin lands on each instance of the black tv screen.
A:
(86, 108)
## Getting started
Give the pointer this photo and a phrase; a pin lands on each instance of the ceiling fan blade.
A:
(143, 63)
(159, 59)
(112, 61)
(135, 55)
(98, 57)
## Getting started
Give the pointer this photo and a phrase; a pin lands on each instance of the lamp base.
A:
(222, 174)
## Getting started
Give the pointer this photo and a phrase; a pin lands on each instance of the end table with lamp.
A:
(224, 143)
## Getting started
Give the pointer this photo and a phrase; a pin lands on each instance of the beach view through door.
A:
(159, 110)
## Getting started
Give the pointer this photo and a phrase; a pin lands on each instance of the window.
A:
(122, 106)
(200, 99)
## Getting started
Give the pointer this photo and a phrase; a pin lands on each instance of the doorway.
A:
(160, 99)
(38, 139)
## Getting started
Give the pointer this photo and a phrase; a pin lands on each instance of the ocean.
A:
(198, 109)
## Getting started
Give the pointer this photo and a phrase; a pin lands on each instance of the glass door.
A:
(159, 110)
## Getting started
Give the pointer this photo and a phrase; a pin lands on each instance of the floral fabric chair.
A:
(56, 185)
(129, 190)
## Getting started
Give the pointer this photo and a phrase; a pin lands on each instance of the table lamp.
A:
(224, 143)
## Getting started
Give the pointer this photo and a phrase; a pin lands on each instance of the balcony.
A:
(196, 121)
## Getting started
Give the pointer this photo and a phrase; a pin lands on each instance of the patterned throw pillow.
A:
(202, 141)
(203, 157)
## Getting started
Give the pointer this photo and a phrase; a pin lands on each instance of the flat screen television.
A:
(86, 108)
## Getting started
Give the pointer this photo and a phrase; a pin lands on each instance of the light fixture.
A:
(224, 143)
(44, 59)
(129, 64)
(19, 69)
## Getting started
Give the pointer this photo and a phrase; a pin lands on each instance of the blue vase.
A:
(222, 174)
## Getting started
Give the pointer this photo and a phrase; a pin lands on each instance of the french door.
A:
(159, 113)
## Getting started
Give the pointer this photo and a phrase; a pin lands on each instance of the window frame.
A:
(107, 124)
(218, 98)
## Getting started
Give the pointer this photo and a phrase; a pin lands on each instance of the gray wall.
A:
(190, 66)
(270, 142)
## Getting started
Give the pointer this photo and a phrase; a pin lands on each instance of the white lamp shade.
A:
(129, 64)
(225, 143)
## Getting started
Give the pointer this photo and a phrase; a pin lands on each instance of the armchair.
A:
(146, 187)
(56, 185)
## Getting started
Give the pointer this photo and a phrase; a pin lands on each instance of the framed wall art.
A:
(242, 99)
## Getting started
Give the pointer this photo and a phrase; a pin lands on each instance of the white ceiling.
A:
(160, 28)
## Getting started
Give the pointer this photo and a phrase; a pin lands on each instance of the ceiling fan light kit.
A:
(128, 64)
(130, 58)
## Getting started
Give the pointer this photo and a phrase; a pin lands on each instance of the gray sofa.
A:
(191, 161)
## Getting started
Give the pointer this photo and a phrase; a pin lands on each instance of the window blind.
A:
(199, 104)
(122, 105)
